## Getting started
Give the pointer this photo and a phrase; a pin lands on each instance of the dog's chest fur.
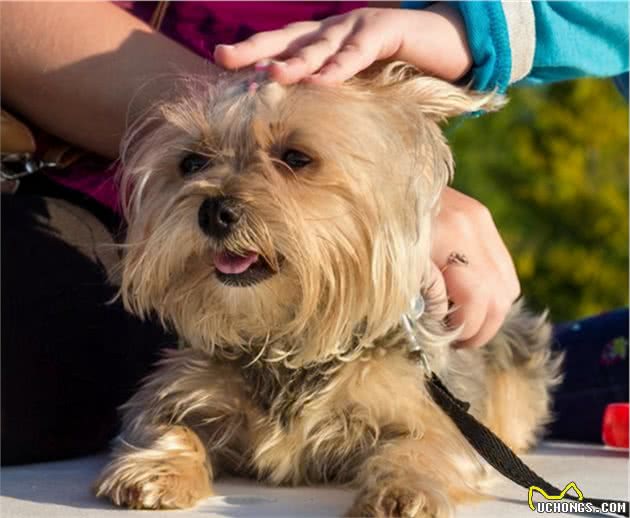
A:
(282, 392)
(318, 424)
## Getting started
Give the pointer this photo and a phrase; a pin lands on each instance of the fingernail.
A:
(224, 46)
(279, 63)
(262, 65)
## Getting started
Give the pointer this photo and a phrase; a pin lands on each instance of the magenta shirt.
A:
(198, 26)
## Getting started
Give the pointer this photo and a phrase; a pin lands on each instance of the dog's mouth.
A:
(241, 270)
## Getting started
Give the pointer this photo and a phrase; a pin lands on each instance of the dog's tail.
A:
(522, 371)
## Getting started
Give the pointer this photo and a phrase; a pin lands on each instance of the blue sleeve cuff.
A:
(489, 44)
(488, 40)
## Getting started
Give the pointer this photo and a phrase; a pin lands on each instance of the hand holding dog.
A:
(483, 290)
(335, 49)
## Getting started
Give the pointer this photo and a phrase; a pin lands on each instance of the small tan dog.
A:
(283, 233)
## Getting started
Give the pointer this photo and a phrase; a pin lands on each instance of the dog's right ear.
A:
(435, 98)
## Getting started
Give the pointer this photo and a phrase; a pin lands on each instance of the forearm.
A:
(74, 69)
(440, 23)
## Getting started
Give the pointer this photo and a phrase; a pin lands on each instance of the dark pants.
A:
(596, 374)
(70, 357)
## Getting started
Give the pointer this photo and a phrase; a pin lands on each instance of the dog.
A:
(283, 233)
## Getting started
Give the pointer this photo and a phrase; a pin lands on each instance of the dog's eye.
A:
(192, 163)
(295, 159)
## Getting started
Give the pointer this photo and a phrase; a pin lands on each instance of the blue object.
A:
(543, 41)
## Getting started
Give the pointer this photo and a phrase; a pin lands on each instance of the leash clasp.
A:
(409, 321)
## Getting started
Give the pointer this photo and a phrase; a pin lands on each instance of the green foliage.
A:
(553, 169)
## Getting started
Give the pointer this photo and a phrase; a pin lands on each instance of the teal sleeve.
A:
(543, 41)
(489, 44)
(579, 39)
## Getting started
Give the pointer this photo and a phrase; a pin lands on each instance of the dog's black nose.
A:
(218, 215)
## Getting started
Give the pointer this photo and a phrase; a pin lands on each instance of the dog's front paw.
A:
(173, 473)
(143, 483)
(154, 484)
(397, 500)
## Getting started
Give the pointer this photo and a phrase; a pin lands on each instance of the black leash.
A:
(495, 452)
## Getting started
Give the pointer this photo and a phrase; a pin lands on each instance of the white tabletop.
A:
(62, 490)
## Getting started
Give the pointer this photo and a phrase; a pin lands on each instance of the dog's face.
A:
(295, 219)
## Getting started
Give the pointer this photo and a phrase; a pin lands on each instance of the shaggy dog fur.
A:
(296, 371)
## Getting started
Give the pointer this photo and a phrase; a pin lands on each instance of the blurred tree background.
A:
(552, 167)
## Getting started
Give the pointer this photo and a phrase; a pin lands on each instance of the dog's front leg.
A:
(417, 477)
(176, 431)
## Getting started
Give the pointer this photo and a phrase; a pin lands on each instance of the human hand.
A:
(473, 266)
(335, 49)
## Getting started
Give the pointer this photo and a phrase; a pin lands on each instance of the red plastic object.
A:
(615, 425)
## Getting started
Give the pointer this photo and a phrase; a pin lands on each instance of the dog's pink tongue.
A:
(229, 263)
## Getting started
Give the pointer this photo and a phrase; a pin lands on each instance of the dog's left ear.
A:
(435, 98)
